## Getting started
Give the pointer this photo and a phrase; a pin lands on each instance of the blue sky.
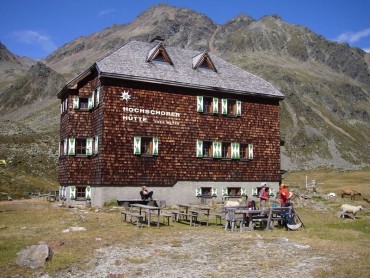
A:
(35, 28)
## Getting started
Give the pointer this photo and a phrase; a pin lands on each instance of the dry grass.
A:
(345, 243)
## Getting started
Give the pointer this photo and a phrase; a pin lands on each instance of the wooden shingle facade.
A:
(184, 123)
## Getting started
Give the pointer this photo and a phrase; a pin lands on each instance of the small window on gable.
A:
(203, 61)
(159, 54)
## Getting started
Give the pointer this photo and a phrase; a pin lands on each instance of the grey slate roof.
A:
(129, 61)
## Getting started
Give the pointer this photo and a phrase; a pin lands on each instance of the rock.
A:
(34, 256)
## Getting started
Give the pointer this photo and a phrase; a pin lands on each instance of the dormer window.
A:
(203, 62)
(158, 54)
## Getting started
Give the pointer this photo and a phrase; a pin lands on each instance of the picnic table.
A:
(264, 217)
(148, 210)
(192, 213)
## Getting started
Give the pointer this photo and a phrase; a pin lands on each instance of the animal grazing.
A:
(350, 192)
(233, 203)
(349, 209)
(367, 199)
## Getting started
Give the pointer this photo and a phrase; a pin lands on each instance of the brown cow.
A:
(350, 192)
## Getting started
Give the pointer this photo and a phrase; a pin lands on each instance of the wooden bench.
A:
(181, 215)
(133, 215)
(218, 217)
(166, 216)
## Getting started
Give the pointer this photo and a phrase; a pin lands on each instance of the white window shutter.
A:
(225, 192)
(216, 149)
(199, 103)
(97, 96)
(96, 144)
(238, 108)
(66, 104)
(215, 105)
(255, 192)
(65, 146)
(88, 192)
(76, 102)
(199, 148)
(72, 192)
(137, 145)
(224, 106)
(235, 150)
(243, 192)
(214, 192)
(89, 146)
(198, 192)
(155, 146)
(61, 108)
(272, 192)
(250, 151)
(71, 146)
(90, 103)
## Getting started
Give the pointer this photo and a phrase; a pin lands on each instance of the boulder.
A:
(34, 256)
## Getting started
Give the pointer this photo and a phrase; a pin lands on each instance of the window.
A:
(63, 147)
(226, 150)
(207, 105)
(83, 103)
(146, 146)
(206, 192)
(231, 107)
(80, 193)
(80, 147)
(158, 54)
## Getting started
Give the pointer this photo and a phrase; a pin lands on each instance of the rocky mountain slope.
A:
(324, 118)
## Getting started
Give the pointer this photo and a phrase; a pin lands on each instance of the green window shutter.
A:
(238, 108)
(243, 192)
(137, 145)
(200, 104)
(225, 192)
(224, 106)
(155, 145)
(96, 144)
(76, 102)
(235, 150)
(89, 146)
(198, 192)
(88, 192)
(214, 192)
(72, 192)
(90, 103)
(215, 105)
(97, 96)
(272, 192)
(216, 149)
(71, 146)
(254, 192)
(250, 151)
(199, 148)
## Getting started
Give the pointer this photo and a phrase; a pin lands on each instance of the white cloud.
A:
(353, 37)
(35, 38)
(106, 12)
(367, 50)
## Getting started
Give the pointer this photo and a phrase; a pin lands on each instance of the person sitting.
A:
(146, 194)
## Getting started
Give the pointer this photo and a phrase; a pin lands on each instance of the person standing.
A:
(263, 195)
(284, 196)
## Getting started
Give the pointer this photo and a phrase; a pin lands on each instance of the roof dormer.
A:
(203, 61)
(159, 54)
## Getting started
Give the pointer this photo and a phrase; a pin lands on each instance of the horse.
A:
(350, 192)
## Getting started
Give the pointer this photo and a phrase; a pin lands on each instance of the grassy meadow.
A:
(345, 241)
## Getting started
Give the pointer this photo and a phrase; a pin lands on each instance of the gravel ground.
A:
(197, 253)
